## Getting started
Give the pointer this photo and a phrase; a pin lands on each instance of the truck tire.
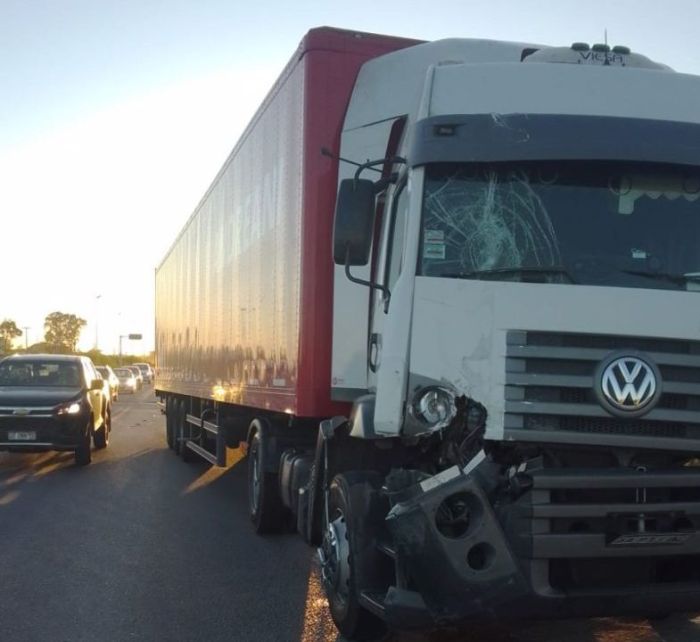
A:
(178, 424)
(83, 453)
(186, 454)
(265, 505)
(352, 562)
(101, 436)
(170, 422)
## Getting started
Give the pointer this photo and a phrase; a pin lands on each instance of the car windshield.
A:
(123, 373)
(39, 373)
(610, 224)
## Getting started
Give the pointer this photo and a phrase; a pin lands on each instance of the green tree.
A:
(62, 331)
(8, 333)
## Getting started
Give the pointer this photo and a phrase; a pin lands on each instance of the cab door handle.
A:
(375, 345)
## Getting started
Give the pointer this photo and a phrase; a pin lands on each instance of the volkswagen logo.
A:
(628, 385)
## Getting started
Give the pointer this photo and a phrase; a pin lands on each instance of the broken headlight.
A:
(434, 407)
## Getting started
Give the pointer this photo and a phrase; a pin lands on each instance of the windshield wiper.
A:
(678, 279)
(519, 271)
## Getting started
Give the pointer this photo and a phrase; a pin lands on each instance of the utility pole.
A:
(26, 329)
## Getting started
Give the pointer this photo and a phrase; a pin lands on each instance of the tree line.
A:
(61, 334)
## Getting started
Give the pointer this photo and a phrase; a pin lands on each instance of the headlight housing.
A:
(70, 408)
(433, 406)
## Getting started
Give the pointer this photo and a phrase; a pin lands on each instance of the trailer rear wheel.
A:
(179, 425)
(185, 453)
(170, 422)
(266, 510)
(351, 561)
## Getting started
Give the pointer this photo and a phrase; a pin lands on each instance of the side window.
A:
(397, 236)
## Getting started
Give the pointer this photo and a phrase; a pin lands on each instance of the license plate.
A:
(25, 435)
(652, 539)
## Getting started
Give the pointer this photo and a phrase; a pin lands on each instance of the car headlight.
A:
(72, 408)
(434, 407)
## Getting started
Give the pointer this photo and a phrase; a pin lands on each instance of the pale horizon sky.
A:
(115, 116)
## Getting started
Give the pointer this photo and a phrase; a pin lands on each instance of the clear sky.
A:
(116, 115)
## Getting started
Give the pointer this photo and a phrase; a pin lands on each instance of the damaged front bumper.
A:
(574, 543)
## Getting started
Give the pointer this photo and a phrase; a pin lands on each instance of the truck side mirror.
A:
(354, 222)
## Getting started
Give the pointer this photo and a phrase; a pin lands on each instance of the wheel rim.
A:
(335, 570)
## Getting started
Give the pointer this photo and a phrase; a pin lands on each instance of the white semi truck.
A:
(476, 387)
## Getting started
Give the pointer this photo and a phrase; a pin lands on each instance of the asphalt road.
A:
(140, 546)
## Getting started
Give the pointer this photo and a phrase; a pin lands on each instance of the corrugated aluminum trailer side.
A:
(244, 295)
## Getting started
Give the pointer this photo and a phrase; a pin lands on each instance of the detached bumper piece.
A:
(458, 556)
(575, 543)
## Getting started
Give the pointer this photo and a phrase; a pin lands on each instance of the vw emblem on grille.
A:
(628, 385)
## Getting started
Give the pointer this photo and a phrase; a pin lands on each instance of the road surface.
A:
(140, 546)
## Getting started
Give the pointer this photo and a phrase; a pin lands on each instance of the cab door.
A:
(392, 314)
(389, 265)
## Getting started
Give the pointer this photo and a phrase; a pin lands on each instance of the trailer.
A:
(444, 295)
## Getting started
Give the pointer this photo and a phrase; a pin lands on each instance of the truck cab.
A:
(527, 261)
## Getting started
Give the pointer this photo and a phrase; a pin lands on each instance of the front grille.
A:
(550, 390)
(610, 426)
(612, 342)
(597, 528)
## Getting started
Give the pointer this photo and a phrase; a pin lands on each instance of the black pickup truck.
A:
(53, 402)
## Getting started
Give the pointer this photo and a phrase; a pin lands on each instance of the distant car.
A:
(53, 402)
(127, 380)
(138, 375)
(109, 376)
(146, 371)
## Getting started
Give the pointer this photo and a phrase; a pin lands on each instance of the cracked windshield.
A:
(609, 224)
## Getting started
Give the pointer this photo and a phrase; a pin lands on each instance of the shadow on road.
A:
(167, 552)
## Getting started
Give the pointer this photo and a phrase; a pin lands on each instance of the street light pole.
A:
(26, 336)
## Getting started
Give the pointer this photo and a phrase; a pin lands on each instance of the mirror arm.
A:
(384, 182)
(371, 164)
(370, 284)
(327, 152)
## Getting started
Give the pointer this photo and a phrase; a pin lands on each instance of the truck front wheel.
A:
(266, 510)
(351, 562)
